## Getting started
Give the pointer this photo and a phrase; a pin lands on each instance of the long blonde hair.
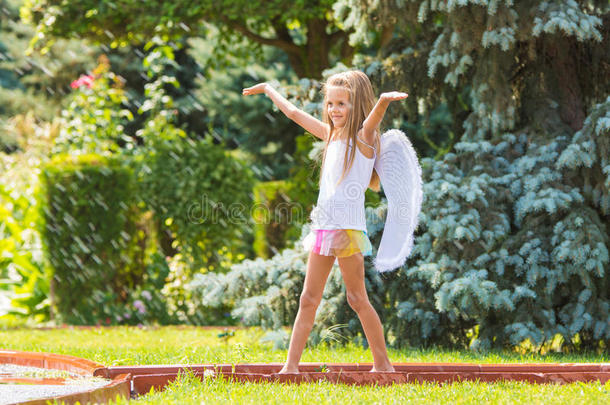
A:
(362, 100)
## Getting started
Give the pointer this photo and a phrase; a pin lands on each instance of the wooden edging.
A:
(50, 360)
(146, 378)
(119, 386)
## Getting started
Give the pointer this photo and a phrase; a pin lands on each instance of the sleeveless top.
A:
(341, 206)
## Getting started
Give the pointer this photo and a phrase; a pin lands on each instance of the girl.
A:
(350, 131)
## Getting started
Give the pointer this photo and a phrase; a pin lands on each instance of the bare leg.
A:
(318, 269)
(352, 270)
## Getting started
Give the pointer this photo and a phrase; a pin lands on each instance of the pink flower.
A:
(86, 80)
(139, 305)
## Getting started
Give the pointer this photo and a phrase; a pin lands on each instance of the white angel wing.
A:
(401, 179)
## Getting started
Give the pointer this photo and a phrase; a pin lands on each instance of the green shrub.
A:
(90, 235)
(146, 304)
(200, 197)
(184, 303)
(94, 119)
(24, 278)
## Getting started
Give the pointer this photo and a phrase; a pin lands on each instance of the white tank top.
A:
(342, 206)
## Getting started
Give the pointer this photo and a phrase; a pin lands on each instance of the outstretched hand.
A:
(256, 89)
(393, 96)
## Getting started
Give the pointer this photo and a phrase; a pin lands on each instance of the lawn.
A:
(181, 345)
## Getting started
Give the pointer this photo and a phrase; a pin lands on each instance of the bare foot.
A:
(289, 370)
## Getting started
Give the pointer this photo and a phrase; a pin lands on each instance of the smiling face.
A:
(338, 105)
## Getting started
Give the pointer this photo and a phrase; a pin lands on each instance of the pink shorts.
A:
(338, 242)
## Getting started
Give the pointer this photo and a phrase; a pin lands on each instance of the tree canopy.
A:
(306, 30)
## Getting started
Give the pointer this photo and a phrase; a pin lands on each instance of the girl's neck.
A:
(338, 134)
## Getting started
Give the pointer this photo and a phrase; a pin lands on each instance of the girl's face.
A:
(337, 105)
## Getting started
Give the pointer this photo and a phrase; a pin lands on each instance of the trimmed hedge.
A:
(200, 196)
(89, 234)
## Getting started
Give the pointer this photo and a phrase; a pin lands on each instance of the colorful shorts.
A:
(338, 242)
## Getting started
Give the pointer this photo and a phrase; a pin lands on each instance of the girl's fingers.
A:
(395, 95)
(252, 90)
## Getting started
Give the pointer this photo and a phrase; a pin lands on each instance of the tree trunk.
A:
(562, 64)
(313, 57)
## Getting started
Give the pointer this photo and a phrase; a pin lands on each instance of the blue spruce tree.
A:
(513, 242)
(514, 231)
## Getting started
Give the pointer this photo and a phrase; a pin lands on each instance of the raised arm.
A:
(374, 118)
(307, 121)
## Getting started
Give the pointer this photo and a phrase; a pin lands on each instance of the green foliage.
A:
(145, 304)
(36, 82)
(24, 278)
(8, 141)
(96, 121)
(512, 250)
(199, 194)
(89, 232)
(93, 122)
(251, 124)
(24, 271)
(588, 156)
(306, 31)
(303, 183)
(185, 304)
(173, 67)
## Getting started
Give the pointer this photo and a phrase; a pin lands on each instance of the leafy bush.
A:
(24, 271)
(24, 278)
(251, 124)
(184, 303)
(200, 196)
(88, 223)
(145, 303)
(94, 119)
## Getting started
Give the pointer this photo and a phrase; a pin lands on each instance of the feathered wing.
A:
(401, 179)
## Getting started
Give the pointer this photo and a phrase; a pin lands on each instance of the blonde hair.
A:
(362, 100)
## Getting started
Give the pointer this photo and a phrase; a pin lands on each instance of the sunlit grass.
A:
(182, 345)
(189, 390)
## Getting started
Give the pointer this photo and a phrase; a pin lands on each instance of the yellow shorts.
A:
(338, 242)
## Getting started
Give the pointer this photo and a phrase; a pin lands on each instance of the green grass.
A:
(181, 345)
